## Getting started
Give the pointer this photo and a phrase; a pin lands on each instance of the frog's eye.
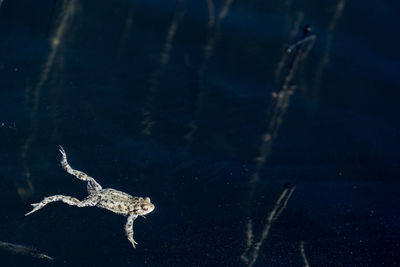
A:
(147, 199)
(145, 207)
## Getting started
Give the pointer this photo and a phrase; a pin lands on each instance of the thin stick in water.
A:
(303, 255)
(24, 250)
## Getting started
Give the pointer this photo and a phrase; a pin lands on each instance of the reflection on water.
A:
(214, 31)
(254, 243)
(292, 35)
(68, 10)
(127, 31)
(275, 117)
(164, 58)
(328, 46)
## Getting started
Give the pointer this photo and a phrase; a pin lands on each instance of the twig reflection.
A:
(214, 29)
(148, 121)
(328, 44)
(67, 12)
(292, 35)
(126, 31)
(275, 115)
(251, 252)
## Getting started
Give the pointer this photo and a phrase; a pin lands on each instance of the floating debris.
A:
(8, 125)
(24, 250)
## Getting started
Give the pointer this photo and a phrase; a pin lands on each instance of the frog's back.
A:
(115, 201)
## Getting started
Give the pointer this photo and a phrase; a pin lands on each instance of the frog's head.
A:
(144, 206)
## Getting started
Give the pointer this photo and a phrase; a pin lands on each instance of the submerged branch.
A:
(24, 250)
(303, 255)
(250, 255)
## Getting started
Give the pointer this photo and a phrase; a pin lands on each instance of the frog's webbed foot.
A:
(36, 207)
(134, 243)
(62, 151)
(129, 229)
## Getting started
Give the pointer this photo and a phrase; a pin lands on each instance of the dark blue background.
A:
(338, 143)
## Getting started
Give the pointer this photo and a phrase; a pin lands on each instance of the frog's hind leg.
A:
(87, 202)
(92, 185)
(129, 229)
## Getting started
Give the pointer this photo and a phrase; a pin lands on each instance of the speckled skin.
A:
(110, 199)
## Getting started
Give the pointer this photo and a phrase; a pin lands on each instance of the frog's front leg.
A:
(129, 229)
(87, 202)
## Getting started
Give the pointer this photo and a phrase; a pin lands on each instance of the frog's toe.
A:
(134, 243)
(62, 151)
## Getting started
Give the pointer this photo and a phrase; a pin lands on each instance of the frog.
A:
(110, 199)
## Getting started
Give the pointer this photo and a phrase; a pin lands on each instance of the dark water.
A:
(186, 102)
